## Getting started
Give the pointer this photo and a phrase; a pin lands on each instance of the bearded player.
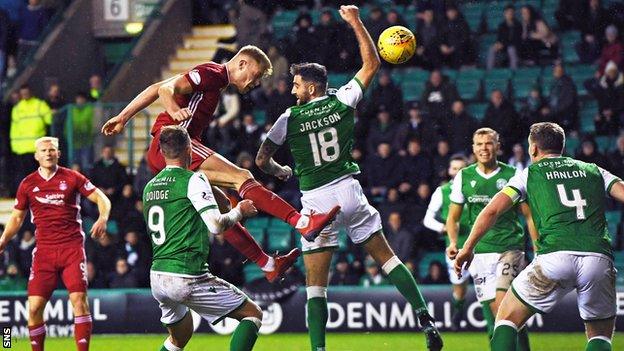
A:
(52, 194)
(319, 132)
(190, 100)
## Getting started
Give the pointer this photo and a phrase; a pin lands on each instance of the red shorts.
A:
(48, 263)
(156, 160)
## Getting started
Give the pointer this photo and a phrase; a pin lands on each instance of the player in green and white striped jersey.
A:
(567, 198)
(319, 132)
(435, 219)
(180, 211)
(500, 257)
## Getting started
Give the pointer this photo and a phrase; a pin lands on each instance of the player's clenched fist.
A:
(182, 115)
(113, 126)
(349, 13)
(463, 257)
(247, 208)
(284, 174)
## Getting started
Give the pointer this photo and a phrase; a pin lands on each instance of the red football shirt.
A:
(55, 206)
(207, 80)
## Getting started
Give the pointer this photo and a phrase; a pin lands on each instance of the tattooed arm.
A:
(265, 161)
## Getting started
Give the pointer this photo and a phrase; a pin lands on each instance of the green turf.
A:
(335, 342)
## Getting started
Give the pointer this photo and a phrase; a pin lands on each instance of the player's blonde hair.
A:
(259, 56)
(47, 139)
(486, 131)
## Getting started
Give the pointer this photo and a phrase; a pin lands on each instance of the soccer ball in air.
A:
(396, 44)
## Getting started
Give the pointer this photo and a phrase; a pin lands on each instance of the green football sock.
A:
(163, 348)
(403, 280)
(317, 320)
(489, 317)
(170, 347)
(244, 336)
(523, 340)
(598, 345)
(505, 338)
(458, 305)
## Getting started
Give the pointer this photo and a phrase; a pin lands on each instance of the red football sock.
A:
(82, 332)
(242, 241)
(269, 202)
(37, 336)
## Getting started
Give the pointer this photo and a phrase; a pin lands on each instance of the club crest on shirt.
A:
(63, 185)
(500, 183)
(473, 183)
(195, 77)
(89, 186)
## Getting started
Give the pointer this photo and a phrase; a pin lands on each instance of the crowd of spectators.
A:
(403, 146)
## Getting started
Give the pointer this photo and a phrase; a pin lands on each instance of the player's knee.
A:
(35, 310)
(255, 312)
(243, 175)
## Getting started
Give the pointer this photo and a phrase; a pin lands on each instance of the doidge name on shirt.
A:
(157, 195)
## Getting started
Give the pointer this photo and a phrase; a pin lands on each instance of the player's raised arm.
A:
(166, 92)
(368, 53)
(12, 227)
(500, 204)
(116, 124)
(104, 206)
(273, 141)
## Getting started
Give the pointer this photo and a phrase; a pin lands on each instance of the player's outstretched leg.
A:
(246, 334)
(400, 276)
(241, 240)
(36, 325)
(222, 172)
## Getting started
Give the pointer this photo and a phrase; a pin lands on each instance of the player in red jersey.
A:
(52, 194)
(190, 100)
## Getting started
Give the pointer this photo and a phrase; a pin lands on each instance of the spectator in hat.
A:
(372, 276)
(458, 128)
(589, 153)
(428, 38)
(562, 102)
(304, 40)
(376, 22)
(592, 24)
(503, 118)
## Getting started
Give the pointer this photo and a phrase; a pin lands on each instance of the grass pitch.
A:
(335, 342)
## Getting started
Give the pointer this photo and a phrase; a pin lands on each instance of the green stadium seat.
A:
(412, 90)
(478, 110)
(499, 73)
(423, 266)
(252, 272)
(491, 84)
(613, 222)
(279, 224)
(587, 123)
(619, 265)
(279, 239)
(258, 222)
(336, 80)
(521, 86)
(343, 240)
(260, 116)
(605, 143)
(569, 54)
(546, 84)
(468, 89)
(258, 234)
(528, 72)
(474, 21)
(571, 144)
(471, 73)
(415, 74)
(451, 74)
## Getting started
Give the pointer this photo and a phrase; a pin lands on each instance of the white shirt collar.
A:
(489, 175)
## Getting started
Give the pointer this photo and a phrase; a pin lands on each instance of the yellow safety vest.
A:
(29, 119)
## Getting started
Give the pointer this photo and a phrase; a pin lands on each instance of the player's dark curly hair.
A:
(174, 141)
(548, 136)
(311, 72)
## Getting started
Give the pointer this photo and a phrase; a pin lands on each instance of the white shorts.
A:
(357, 216)
(450, 266)
(551, 276)
(495, 271)
(211, 297)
